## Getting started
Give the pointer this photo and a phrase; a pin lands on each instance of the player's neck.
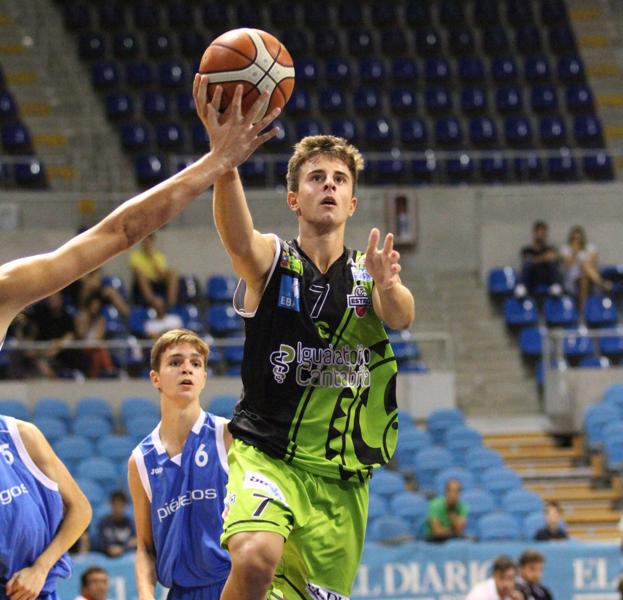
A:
(322, 248)
(177, 421)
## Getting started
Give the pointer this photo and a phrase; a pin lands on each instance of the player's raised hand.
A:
(233, 136)
(26, 584)
(382, 264)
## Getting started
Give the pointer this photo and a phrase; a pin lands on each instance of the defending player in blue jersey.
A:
(177, 478)
(42, 513)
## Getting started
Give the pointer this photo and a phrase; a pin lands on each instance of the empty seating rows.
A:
(456, 77)
(603, 427)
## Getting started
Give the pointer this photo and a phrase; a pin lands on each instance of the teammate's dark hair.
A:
(530, 556)
(502, 563)
(84, 578)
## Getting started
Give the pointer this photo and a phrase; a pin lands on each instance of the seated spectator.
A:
(154, 283)
(539, 261)
(90, 324)
(115, 532)
(579, 262)
(54, 324)
(554, 528)
(78, 292)
(501, 585)
(530, 574)
(447, 514)
(164, 321)
(93, 584)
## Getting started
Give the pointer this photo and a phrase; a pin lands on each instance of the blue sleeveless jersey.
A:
(31, 510)
(187, 494)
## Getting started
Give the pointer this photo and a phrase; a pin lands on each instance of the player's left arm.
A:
(228, 438)
(391, 300)
(26, 584)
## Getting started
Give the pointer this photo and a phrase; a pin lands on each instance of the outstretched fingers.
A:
(373, 241)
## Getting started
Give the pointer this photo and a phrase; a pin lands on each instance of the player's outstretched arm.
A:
(392, 301)
(145, 565)
(250, 251)
(27, 280)
(27, 583)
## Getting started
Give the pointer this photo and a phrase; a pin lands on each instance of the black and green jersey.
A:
(319, 374)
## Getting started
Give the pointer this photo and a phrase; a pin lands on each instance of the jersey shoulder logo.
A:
(291, 263)
(289, 293)
(359, 300)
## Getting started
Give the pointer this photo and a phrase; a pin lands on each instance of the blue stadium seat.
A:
(15, 408)
(424, 169)
(91, 46)
(495, 41)
(393, 42)
(388, 170)
(595, 362)
(520, 312)
(508, 99)
(190, 316)
(485, 12)
(16, 138)
(111, 16)
(189, 290)
(560, 311)
(156, 105)
(498, 481)
(328, 43)
(442, 419)
(379, 132)
(544, 98)
(371, 70)
(135, 136)
(185, 104)
(192, 43)
(52, 407)
(377, 507)
(471, 69)
(417, 13)
(172, 74)
(160, 45)
(76, 16)
(459, 439)
(306, 127)
(579, 98)
(410, 506)
(93, 405)
(473, 99)
(503, 69)
(30, 173)
(536, 68)
(517, 131)
(448, 131)
(531, 342)
(8, 106)
(314, 15)
(437, 70)
(278, 141)
(332, 100)
(460, 168)
(306, 71)
(361, 42)
(300, 102)
(150, 169)
(562, 168)
(221, 288)
(367, 99)
(451, 12)
(146, 15)
(389, 529)
(498, 527)
(71, 449)
(115, 325)
(119, 106)
(464, 477)
(92, 426)
(532, 523)
(222, 320)
(429, 462)
(350, 14)
(482, 131)
(528, 39)
(501, 281)
(410, 442)
(529, 167)
(170, 136)
(404, 70)
(92, 490)
(598, 166)
(461, 41)
(554, 12)
(104, 74)
(520, 503)
(571, 69)
(427, 41)
(519, 12)
(553, 131)
(479, 503)
(406, 424)
(139, 74)
(345, 128)
(384, 14)
(600, 311)
(101, 469)
(438, 100)
(403, 101)
(135, 406)
(561, 39)
(52, 428)
(140, 426)
(479, 459)
(386, 483)
(338, 70)
(494, 168)
(223, 405)
(115, 447)
(576, 346)
(587, 131)
(125, 45)
(612, 345)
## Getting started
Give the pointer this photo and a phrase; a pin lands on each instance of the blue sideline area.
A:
(573, 571)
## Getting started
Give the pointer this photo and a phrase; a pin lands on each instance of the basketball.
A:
(251, 57)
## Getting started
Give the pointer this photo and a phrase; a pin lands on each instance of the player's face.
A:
(325, 194)
(532, 572)
(97, 586)
(505, 582)
(182, 372)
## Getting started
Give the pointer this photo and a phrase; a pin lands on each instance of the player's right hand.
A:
(233, 136)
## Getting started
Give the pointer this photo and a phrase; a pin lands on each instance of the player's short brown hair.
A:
(331, 145)
(530, 556)
(502, 563)
(177, 336)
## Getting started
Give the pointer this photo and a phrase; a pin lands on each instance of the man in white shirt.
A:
(501, 585)
(93, 584)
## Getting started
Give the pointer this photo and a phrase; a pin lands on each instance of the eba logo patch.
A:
(359, 300)
(289, 293)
